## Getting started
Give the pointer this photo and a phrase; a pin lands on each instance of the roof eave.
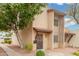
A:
(56, 11)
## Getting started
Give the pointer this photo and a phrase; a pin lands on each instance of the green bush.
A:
(28, 47)
(76, 53)
(40, 53)
(5, 41)
(8, 41)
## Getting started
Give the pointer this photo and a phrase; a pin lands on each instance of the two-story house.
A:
(46, 31)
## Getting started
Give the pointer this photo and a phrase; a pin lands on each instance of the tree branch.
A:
(74, 13)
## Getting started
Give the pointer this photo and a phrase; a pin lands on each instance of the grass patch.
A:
(28, 47)
(76, 53)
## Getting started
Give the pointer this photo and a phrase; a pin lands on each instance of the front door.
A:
(39, 38)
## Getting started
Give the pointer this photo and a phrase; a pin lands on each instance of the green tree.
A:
(73, 10)
(18, 16)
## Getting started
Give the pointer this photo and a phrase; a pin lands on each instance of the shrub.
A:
(40, 53)
(5, 41)
(76, 53)
(28, 47)
(8, 41)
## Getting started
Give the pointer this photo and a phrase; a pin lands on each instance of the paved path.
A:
(57, 54)
(50, 53)
(9, 51)
(61, 52)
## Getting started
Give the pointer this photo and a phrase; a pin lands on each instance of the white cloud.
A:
(60, 3)
(69, 24)
(67, 19)
(72, 23)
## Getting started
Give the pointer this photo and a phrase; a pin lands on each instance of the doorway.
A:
(39, 39)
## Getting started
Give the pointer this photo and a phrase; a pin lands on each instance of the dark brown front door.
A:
(39, 39)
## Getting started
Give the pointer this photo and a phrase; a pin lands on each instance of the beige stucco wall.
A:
(51, 27)
(26, 35)
(61, 32)
(41, 20)
(50, 20)
(45, 41)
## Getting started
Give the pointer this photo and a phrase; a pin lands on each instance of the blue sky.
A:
(60, 7)
(73, 27)
(63, 7)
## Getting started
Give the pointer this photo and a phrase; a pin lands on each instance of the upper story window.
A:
(56, 22)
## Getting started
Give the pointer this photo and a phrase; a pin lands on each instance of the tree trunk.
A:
(16, 31)
(19, 38)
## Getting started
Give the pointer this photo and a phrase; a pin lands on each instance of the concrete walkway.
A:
(61, 52)
(55, 54)
(9, 51)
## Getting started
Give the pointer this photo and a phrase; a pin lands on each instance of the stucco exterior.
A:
(41, 20)
(26, 35)
(44, 24)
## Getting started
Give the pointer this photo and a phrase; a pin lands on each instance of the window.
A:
(56, 22)
(55, 38)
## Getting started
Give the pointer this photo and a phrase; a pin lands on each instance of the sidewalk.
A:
(61, 52)
(54, 54)
(9, 51)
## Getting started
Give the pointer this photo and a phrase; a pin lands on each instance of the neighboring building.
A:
(46, 31)
(74, 42)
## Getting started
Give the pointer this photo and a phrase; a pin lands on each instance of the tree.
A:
(73, 10)
(18, 16)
